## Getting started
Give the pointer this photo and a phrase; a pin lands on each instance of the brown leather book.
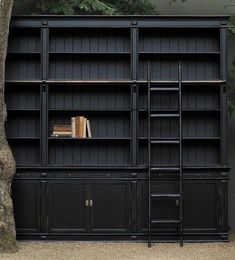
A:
(77, 122)
(73, 124)
(81, 126)
(62, 128)
(84, 127)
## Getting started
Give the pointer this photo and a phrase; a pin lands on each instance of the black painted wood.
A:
(202, 208)
(58, 67)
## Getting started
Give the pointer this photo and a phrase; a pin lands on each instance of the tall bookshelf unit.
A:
(96, 66)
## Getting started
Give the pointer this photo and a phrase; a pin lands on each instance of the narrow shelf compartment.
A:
(102, 125)
(88, 67)
(92, 40)
(24, 67)
(26, 150)
(23, 125)
(89, 152)
(166, 67)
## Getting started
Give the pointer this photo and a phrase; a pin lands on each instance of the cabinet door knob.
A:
(87, 203)
(91, 203)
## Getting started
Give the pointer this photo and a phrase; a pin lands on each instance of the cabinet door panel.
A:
(204, 206)
(26, 201)
(67, 207)
(162, 208)
(201, 206)
(111, 208)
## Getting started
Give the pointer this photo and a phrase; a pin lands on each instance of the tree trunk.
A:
(7, 162)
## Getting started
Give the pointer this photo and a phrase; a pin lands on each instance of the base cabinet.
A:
(26, 198)
(72, 206)
(76, 206)
(117, 209)
(204, 206)
(162, 208)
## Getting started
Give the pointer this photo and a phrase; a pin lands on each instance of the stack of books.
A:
(61, 131)
(79, 128)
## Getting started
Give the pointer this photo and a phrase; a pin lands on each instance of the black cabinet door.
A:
(202, 210)
(204, 206)
(26, 201)
(67, 206)
(111, 206)
(162, 208)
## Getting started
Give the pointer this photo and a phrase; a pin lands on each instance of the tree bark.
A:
(7, 162)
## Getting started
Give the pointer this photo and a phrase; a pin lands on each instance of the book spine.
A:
(62, 129)
(84, 127)
(88, 128)
(81, 127)
(62, 133)
(77, 130)
(73, 124)
(56, 134)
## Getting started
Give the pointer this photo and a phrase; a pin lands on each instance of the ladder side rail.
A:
(149, 154)
(180, 154)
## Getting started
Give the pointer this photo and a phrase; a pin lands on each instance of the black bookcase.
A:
(96, 66)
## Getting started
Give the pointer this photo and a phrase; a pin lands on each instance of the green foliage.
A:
(133, 6)
(231, 25)
(173, 1)
(72, 7)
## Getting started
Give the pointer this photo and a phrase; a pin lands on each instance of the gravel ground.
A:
(121, 251)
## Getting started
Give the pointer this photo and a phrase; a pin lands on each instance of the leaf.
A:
(106, 7)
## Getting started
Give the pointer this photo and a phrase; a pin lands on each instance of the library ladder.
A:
(178, 197)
